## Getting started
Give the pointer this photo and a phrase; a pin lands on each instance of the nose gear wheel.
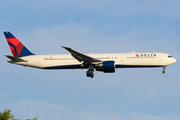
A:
(164, 69)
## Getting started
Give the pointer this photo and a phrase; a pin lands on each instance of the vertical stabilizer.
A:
(17, 48)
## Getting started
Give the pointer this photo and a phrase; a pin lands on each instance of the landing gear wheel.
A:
(90, 73)
(87, 74)
(164, 69)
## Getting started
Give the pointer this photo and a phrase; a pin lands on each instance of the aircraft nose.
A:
(174, 60)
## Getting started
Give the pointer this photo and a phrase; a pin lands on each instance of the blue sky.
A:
(91, 26)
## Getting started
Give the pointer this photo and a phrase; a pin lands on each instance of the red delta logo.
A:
(137, 55)
(145, 55)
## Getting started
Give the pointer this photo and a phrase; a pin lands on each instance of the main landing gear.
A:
(90, 73)
(164, 69)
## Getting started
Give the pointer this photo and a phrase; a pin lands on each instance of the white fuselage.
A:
(122, 60)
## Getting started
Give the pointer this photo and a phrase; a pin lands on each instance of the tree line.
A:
(6, 115)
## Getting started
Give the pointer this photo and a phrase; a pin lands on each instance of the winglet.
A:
(65, 47)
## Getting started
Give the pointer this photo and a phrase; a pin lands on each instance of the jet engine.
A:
(106, 66)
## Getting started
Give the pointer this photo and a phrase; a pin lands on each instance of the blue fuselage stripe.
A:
(137, 66)
(78, 66)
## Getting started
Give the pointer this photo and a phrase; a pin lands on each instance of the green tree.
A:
(35, 118)
(6, 115)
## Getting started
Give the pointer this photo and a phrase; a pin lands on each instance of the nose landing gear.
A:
(90, 73)
(164, 69)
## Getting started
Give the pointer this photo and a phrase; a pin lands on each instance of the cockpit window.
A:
(170, 56)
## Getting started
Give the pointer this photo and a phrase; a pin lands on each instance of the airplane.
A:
(104, 62)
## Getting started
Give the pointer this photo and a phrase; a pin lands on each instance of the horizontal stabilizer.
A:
(15, 59)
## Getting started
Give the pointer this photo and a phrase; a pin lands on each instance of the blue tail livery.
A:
(17, 48)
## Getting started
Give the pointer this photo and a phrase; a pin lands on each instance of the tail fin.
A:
(17, 48)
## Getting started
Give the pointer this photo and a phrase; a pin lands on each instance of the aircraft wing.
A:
(81, 57)
(15, 59)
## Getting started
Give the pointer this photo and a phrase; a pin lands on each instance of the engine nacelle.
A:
(106, 66)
